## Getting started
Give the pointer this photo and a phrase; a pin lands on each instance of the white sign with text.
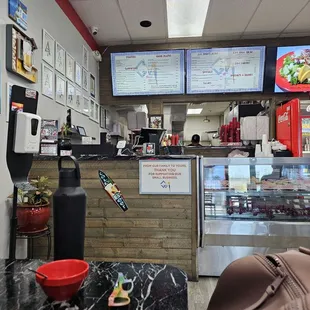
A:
(165, 177)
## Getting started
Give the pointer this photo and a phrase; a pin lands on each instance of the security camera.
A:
(94, 30)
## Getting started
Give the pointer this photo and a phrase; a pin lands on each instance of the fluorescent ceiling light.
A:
(186, 18)
(194, 111)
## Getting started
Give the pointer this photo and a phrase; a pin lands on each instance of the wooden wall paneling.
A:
(156, 228)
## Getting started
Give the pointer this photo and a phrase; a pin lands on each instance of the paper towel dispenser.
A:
(27, 133)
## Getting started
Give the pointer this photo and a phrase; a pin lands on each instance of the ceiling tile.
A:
(154, 41)
(231, 16)
(301, 23)
(295, 34)
(134, 11)
(223, 37)
(274, 15)
(260, 36)
(104, 14)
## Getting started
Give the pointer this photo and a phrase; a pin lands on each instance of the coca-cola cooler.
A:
(288, 126)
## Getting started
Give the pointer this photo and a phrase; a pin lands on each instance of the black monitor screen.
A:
(81, 130)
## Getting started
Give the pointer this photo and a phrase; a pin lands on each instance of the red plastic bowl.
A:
(64, 278)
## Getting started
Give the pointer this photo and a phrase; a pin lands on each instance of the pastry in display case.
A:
(270, 189)
(251, 205)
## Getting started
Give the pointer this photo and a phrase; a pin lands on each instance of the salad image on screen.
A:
(293, 69)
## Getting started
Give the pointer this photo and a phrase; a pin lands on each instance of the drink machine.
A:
(288, 126)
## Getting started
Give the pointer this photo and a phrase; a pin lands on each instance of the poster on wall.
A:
(165, 177)
(85, 58)
(92, 86)
(156, 121)
(60, 59)
(78, 100)
(60, 89)
(92, 109)
(293, 69)
(48, 48)
(85, 77)
(78, 74)
(49, 130)
(85, 106)
(70, 67)
(18, 13)
(47, 81)
(70, 95)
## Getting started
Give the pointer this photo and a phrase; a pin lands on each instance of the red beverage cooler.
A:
(288, 126)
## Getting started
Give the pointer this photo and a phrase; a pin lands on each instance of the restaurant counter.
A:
(156, 229)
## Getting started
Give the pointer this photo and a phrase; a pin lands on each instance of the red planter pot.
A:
(32, 218)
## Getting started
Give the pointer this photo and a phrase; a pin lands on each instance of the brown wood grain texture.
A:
(156, 228)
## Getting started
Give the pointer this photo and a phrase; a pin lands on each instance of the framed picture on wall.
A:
(85, 79)
(60, 89)
(60, 59)
(85, 109)
(47, 81)
(97, 112)
(70, 67)
(48, 48)
(78, 100)
(85, 58)
(102, 123)
(156, 121)
(92, 86)
(70, 95)
(92, 109)
(18, 12)
(78, 74)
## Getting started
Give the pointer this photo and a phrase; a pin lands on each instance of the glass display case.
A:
(275, 189)
(250, 205)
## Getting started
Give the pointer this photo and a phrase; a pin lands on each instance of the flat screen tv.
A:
(225, 70)
(148, 73)
(293, 69)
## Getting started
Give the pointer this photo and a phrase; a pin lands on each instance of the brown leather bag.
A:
(272, 282)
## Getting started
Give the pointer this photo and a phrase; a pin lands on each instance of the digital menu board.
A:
(225, 70)
(293, 69)
(148, 73)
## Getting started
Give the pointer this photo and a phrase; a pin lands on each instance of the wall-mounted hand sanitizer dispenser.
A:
(27, 133)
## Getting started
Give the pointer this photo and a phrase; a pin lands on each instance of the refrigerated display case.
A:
(252, 205)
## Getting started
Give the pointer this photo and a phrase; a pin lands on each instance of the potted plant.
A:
(33, 209)
(64, 145)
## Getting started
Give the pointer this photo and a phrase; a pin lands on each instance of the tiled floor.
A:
(199, 293)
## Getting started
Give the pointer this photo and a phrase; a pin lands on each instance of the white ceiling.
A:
(119, 20)
(213, 108)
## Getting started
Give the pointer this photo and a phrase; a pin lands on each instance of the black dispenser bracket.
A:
(19, 165)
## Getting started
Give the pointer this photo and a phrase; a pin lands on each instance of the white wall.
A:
(196, 125)
(41, 14)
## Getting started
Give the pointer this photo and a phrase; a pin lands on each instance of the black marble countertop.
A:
(156, 287)
(100, 157)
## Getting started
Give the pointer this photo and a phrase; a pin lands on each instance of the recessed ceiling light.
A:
(186, 18)
(145, 24)
(194, 111)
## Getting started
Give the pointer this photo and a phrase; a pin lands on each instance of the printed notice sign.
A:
(165, 177)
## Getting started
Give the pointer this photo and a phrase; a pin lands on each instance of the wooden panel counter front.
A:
(155, 229)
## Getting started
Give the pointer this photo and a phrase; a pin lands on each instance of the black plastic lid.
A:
(69, 177)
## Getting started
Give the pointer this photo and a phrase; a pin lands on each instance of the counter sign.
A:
(165, 177)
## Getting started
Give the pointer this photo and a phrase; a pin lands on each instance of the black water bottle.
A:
(69, 209)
